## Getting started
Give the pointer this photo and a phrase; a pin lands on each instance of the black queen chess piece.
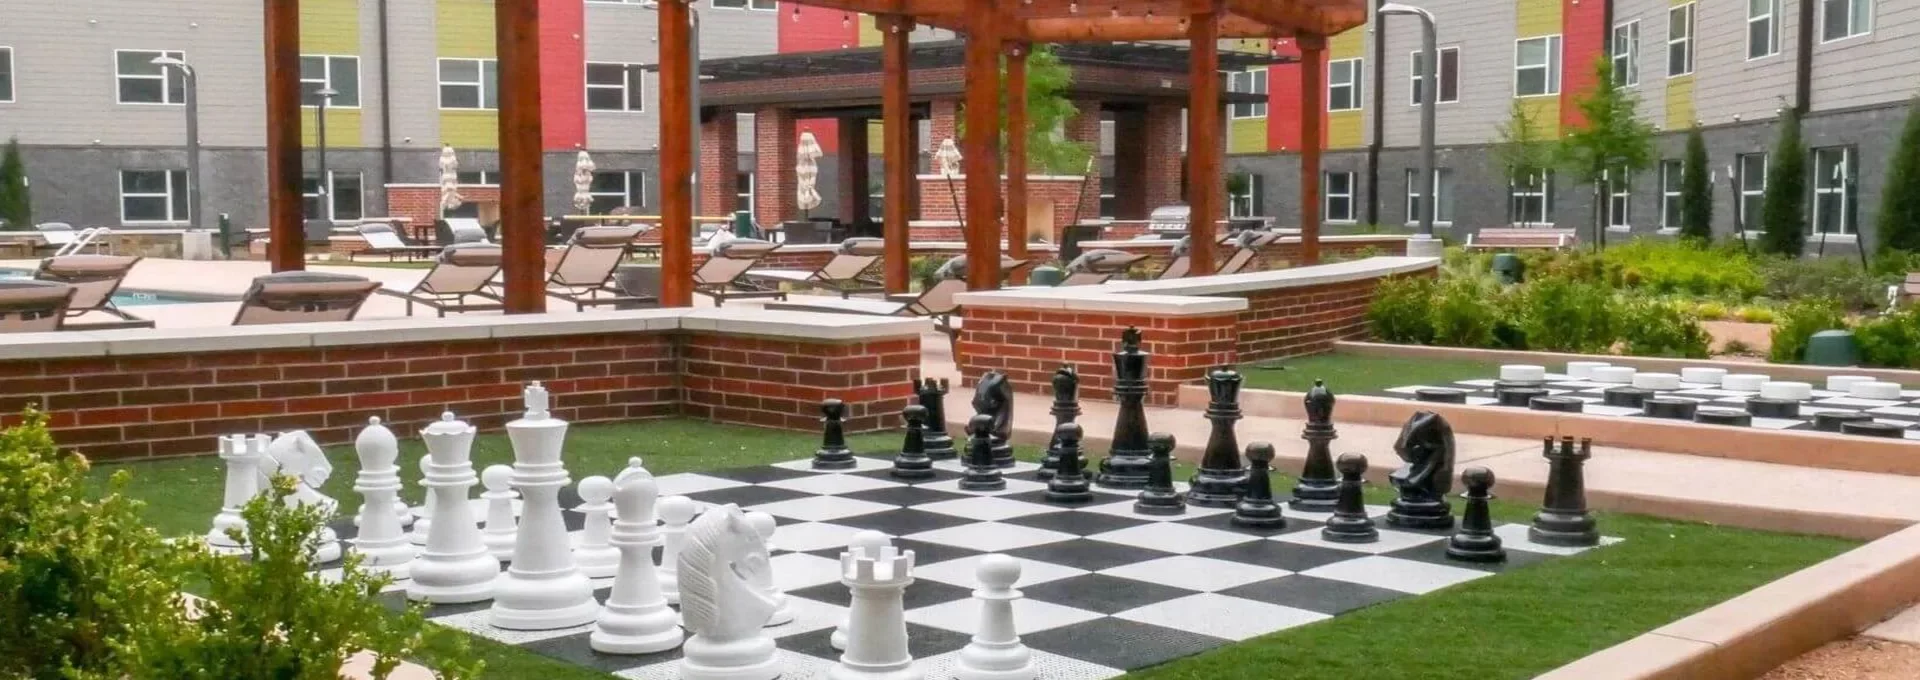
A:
(1426, 444)
(1563, 519)
(1221, 478)
(1318, 488)
(833, 453)
(913, 463)
(1475, 541)
(1125, 466)
(1256, 508)
(1066, 407)
(933, 395)
(982, 474)
(993, 396)
(1069, 483)
(1349, 523)
(1160, 498)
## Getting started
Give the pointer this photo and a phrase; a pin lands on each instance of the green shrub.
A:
(1892, 264)
(1559, 315)
(1696, 191)
(1656, 267)
(1783, 209)
(1656, 329)
(1738, 347)
(1710, 311)
(1899, 215)
(1465, 313)
(1892, 340)
(16, 206)
(1756, 315)
(1837, 278)
(1401, 310)
(1799, 321)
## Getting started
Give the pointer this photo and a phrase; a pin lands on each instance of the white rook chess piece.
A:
(675, 513)
(382, 544)
(636, 618)
(499, 531)
(866, 543)
(594, 555)
(542, 590)
(242, 455)
(722, 607)
(423, 516)
(877, 623)
(456, 566)
(765, 524)
(996, 653)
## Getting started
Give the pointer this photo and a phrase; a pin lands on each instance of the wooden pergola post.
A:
(676, 156)
(1017, 154)
(981, 145)
(285, 171)
(897, 150)
(522, 205)
(1203, 133)
(1313, 104)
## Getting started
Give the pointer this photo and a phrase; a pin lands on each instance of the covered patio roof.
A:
(1113, 20)
(953, 54)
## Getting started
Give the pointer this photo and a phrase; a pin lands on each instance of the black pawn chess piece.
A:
(1475, 542)
(1426, 444)
(993, 396)
(1066, 407)
(833, 453)
(1125, 466)
(1318, 488)
(1069, 482)
(982, 473)
(1221, 478)
(1160, 498)
(1256, 507)
(913, 463)
(1563, 519)
(1349, 523)
(933, 396)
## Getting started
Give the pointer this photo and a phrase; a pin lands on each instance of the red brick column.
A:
(775, 151)
(719, 164)
(1028, 344)
(945, 116)
(1164, 158)
(780, 382)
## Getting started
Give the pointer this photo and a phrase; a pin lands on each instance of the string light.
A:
(846, 19)
(1116, 11)
(796, 13)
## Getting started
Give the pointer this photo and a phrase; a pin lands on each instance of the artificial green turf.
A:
(1355, 374)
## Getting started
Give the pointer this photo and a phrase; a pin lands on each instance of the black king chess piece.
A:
(833, 453)
(982, 473)
(1317, 488)
(993, 396)
(1475, 542)
(1563, 518)
(1220, 480)
(1349, 523)
(1125, 466)
(1066, 407)
(1256, 508)
(1160, 498)
(1426, 444)
(1069, 483)
(933, 395)
(913, 463)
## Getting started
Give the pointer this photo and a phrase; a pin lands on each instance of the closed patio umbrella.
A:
(449, 180)
(807, 173)
(583, 182)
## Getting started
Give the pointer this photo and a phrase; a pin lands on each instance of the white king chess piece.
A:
(636, 618)
(877, 623)
(722, 608)
(242, 455)
(864, 544)
(296, 455)
(500, 527)
(456, 566)
(596, 557)
(382, 544)
(996, 653)
(542, 589)
(765, 525)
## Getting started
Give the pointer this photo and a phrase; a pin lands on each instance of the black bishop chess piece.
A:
(913, 463)
(1256, 508)
(1318, 488)
(1474, 541)
(1125, 466)
(1350, 523)
(1221, 478)
(1069, 483)
(1563, 519)
(1066, 407)
(993, 397)
(933, 395)
(982, 473)
(833, 453)
(1426, 444)
(1160, 498)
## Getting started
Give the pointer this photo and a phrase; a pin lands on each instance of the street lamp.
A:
(326, 95)
(1429, 103)
(190, 83)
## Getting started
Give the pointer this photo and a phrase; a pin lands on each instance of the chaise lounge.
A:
(95, 278)
(845, 273)
(303, 297)
(462, 271)
(383, 240)
(582, 272)
(28, 306)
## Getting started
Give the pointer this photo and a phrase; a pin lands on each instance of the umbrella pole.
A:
(958, 211)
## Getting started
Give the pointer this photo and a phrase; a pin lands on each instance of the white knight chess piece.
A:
(722, 608)
(765, 524)
(296, 455)
(381, 542)
(456, 566)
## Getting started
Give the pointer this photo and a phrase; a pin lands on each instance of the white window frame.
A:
(631, 101)
(168, 194)
(628, 192)
(332, 190)
(327, 81)
(1439, 74)
(12, 93)
(1248, 82)
(1552, 67)
(1543, 191)
(167, 94)
(1672, 184)
(1757, 195)
(1619, 199)
(1856, 26)
(1626, 63)
(480, 85)
(1772, 20)
(748, 5)
(1327, 195)
(1847, 226)
(1355, 81)
(1684, 42)
(1109, 195)
(488, 178)
(1441, 214)
(753, 188)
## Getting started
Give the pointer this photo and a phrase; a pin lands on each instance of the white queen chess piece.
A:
(996, 653)
(595, 556)
(381, 543)
(877, 624)
(500, 527)
(542, 589)
(722, 607)
(675, 513)
(242, 454)
(296, 455)
(636, 618)
(764, 524)
(456, 566)
(866, 543)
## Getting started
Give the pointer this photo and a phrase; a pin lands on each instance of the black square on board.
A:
(1224, 522)
(939, 475)
(904, 496)
(1321, 595)
(761, 475)
(1119, 643)
(747, 496)
(1102, 593)
(1087, 554)
(922, 593)
(902, 521)
(1279, 555)
(577, 650)
(1077, 523)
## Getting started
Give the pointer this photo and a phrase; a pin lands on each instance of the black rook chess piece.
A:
(993, 396)
(1220, 479)
(1066, 407)
(833, 453)
(1563, 518)
(982, 473)
(913, 463)
(1125, 466)
(1349, 523)
(1159, 498)
(933, 395)
(1475, 542)
(1426, 444)
(1317, 488)
(1256, 507)
(1069, 482)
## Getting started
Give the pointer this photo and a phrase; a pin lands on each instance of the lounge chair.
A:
(582, 272)
(28, 306)
(934, 301)
(465, 230)
(1098, 266)
(95, 278)
(462, 271)
(301, 296)
(721, 276)
(845, 273)
(55, 235)
(1181, 263)
(383, 240)
(1251, 244)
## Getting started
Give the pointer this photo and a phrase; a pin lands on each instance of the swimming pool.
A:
(128, 297)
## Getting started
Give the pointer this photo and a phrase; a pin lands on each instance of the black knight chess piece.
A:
(1221, 478)
(1160, 498)
(1563, 519)
(1426, 444)
(1256, 507)
(833, 453)
(1066, 407)
(913, 463)
(1317, 488)
(1349, 523)
(933, 395)
(982, 473)
(993, 396)
(1069, 483)
(1475, 542)
(1125, 466)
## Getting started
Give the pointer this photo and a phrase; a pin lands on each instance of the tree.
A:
(1523, 151)
(1048, 111)
(16, 208)
(1898, 223)
(1783, 210)
(1611, 142)
(1696, 191)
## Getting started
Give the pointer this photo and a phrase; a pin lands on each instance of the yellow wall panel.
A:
(869, 32)
(876, 138)
(470, 129)
(330, 27)
(1349, 45)
(1536, 18)
(343, 128)
(1680, 111)
(465, 28)
(1345, 130)
(1247, 135)
(1545, 112)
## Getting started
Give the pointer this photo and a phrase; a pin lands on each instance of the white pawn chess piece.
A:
(765, 524)
(636, 618)
(500, 529)
(242, 455)
(675, 513)
(877, 623)
(381, 543)
(423, 515)
(594, 555)
(996, 653)
(864, 544)
(456, 567)
(723, 610)
(542, 590)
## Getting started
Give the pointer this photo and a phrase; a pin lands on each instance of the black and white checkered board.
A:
(1106, 590)
(1904, 412)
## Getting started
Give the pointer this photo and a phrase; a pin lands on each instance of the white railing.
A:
(85, 238)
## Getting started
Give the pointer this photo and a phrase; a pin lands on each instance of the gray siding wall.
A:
(623, 33)
(1651, 60)
(416, 113)
(1880, 67)
(1484, 33)
(1730, 88)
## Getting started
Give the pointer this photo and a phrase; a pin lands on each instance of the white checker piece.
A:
(1393, 573)
(1184, 539)
(1854, 401)
(1195, 573)
(1221, 616)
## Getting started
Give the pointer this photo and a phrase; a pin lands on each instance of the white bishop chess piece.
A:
(675, 513)
(542, 589)
(636, 618)
(765, 524)
(723, 610)
(877, 623)
(596, 557)
(382, 544)
(296, 455)
(864, 544)
(996, 653)
(500, 527)
(456, 566)
(242, 454)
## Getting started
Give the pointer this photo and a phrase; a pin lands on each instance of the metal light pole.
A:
(326, 95)
(1429, 112)
(190, 82)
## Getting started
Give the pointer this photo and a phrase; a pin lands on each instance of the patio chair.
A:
(302, 297)
(844, 273)
(1098, 266)
(28, 306)
(721, 276)
(462, 271)
(465, 230)
(935, 301)
(95, 278)
(383, 240)
(55, 235)
(1181, 263)
(582, 272)
(1250, 245)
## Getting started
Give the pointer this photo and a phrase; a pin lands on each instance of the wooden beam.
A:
(1313, 105)
(1017, 154)
(285, 171)
(1325, 17)
(522, 203)
(1134, 28)
(1204, 148)
(898, 151)
(676, 155)
(981, 142)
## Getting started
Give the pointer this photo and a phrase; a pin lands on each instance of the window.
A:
(617, 189)
(743, 192)
(1244, 196)
(615, 87)
(1109, 197)
(1530, 200)
(6, 74)
(1842, 19)
(1752, 171)
(1626, 54)
(341, 202)
(1338, 190)
(1671, 180)
(1763, 35)
(1449, 75)
(1442, 187)
(144, 82)
(153, 196)
(469, 84)
(1251, 82)
(1619, 198)
(763, 5)
(1833, 173)
(1680, 40)
(1536, 66)
(341, 74)
(482, 177)
(1344, 81)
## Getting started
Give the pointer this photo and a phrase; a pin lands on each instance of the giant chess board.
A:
(1106, 590)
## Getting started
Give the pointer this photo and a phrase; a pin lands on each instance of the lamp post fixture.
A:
(1424, 242)
(190, 85)
(326, 95)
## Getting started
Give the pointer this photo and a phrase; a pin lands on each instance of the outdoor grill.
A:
(1169, 221)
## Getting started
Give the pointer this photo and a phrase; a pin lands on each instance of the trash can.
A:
(1046, 276)
(1832, 348)
(1509, 268)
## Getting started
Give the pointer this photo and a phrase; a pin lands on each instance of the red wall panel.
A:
(1584, 25)
(812, 29)
(563, 89)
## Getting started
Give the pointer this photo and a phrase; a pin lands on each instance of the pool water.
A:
(126, 297)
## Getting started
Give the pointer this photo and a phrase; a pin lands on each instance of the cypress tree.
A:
(1696, 190)
(1899, 221)
(1783, 211)
(15, 206)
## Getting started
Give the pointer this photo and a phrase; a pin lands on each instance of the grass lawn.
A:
(1355, 374)
(1516, 625)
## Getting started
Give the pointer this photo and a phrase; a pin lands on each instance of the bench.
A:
(1521, 238)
